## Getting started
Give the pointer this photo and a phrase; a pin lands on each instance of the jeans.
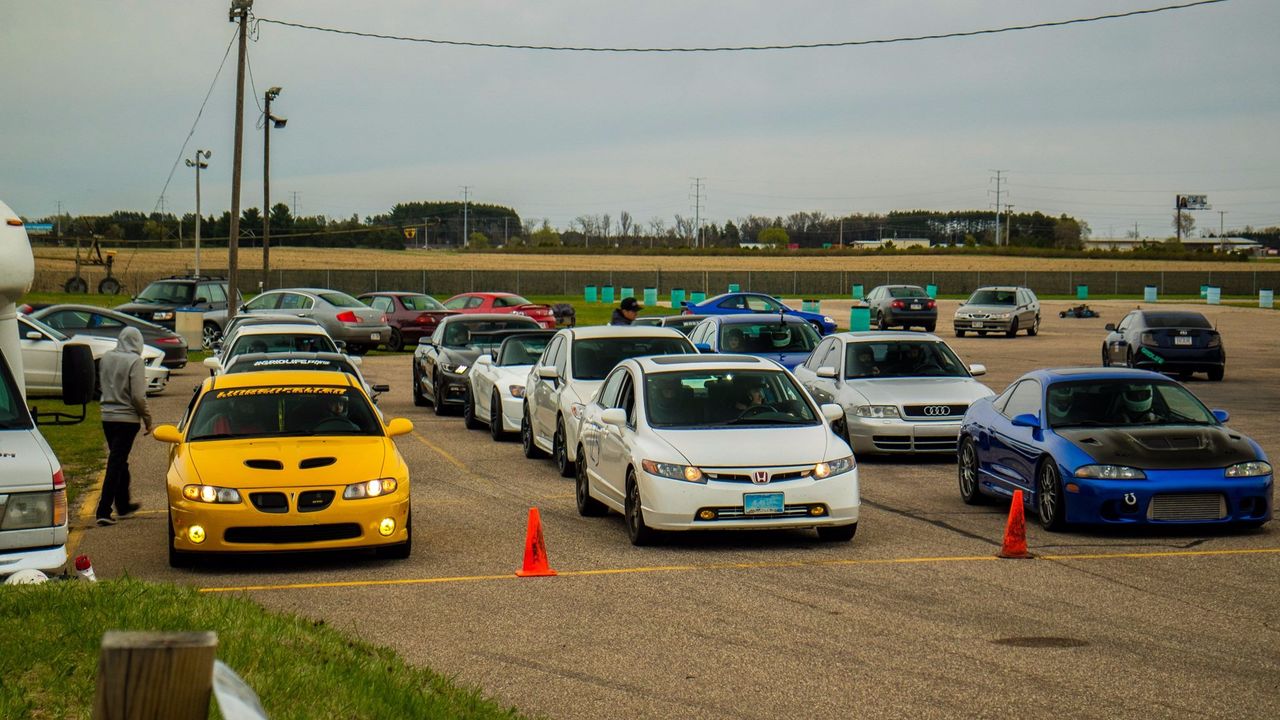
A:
(115, 484)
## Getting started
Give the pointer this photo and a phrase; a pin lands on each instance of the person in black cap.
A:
(626, 312)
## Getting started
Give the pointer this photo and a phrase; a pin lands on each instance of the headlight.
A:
(369, 488)
(1001, 316)
(162, 315)
(962, 315)
(826, 320)
(455, 369)
(674, 471)
(876, 411)
(517, 391)
(1249, 469)
(576, 410)
(211, 494)
(1110, 472)
(834, 467)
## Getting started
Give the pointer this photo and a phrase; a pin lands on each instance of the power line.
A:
(739, 48)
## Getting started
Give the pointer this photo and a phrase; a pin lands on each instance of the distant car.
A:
(42, 358)
(749, 302)
(1167, 341)
(1094, 446)
(321, 361)
(713, 442)
(81, 320)
(245, 320)
(904, 306)
(999, 309)
(345, 318)
(683, 323)
(159, 301)
(568, 374)
(442, 361)
(412, 316)
(501, 302)
(901, 392)
(784, 339)
(270, 338)
(495, 384)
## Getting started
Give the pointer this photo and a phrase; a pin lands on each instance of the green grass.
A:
(50, 635)
(80, 448)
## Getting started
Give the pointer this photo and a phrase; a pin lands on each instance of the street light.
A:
(199, 165)
(268, 121)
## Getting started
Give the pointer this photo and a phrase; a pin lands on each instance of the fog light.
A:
(195, 534)
(386, 527)
(816, 510)
(706, 514)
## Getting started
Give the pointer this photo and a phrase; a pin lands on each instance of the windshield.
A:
(421, 303)
(338, 299)
(13, 414)
(901, 358)
(1124, 402)
(910, 291)
(472, 333)
(281, 342)
(292, 363)
(702, 398)
(993, 297)
(523, 350)
(167, 293)
(52, 332)
(1176, 320)
(594, 358)
(282, 411)
(768, 337)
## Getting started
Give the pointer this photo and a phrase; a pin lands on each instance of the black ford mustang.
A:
(1167, 341)
(441, 362)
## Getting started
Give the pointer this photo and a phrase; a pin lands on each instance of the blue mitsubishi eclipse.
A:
(1108, 446)
(741, 303)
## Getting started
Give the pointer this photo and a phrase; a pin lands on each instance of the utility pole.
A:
(267, 121)
(998, 186)
(505, 235)
(295, 205)
(199, 165)
(239, 13)
(841, 233)
(58, 220)
(1008, 224)
(466, 195)
(1222, 240)
(697, 212)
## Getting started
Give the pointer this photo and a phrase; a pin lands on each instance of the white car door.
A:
(481, 379)
(616, 443)
(546, 394)
(41, 359)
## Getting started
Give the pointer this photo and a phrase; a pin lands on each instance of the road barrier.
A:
(589, 293)
(1149, 293)
(650, 296)
(627, 293)
(859, 318)
(677, 297)
(1214, 295)
(1266, 299)
(1082, 292)
(931, 290)
(856, 291)
(606, 294)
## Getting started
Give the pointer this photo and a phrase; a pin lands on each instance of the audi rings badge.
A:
(761, 477)
(937, 410)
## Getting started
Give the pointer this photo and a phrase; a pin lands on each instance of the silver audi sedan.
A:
(901, 392)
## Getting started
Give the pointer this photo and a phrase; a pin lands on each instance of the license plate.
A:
(977, 323)
(375, 336)
(762, 503)
(915, 306)
(1182, 340)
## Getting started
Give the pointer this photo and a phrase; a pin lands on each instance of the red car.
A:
(412, 316)
(497, 302)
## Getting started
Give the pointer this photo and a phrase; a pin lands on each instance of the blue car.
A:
(784, 339)
(740, 303)
(1109, 446)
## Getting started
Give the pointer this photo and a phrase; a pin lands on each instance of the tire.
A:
(495, 418)
(209, 335)
(437, 395)
(1062, 314)
(1049, 499)
(76, 286)
(357, 350)
(177, 558)
(1013, 328)
(399, 551)
(1106, 357)
(1035, 328)
(469, 420)
(108, 286)
(587, 505)
(1215, 374)
(880, 322)
(559, 452)
(967, 472)
(395, 341)
(639, 533)
(837, 533)
(419, 399)
(530, 448)
(959, 333)
(930, 327)
(1128, 359)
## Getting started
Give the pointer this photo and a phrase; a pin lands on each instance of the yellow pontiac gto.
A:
(285, 461)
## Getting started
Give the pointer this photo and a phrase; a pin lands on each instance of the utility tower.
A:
(466, 195)
(999, 180)
(697, 211)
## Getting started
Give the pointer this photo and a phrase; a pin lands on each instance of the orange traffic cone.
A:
(1015, 531)
(535, 549)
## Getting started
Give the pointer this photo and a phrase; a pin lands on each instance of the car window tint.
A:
(456, 303)
(281, 342)
(474, 302)
(907, 291)
(608, 396)
(213, 292)
(68, 320)
(627, 399)
(380, 302)
(287, 410)
(768, 337)
(1177, 320)
(420, 303)
(1025, 399)
(593, 358)
(732, 303)
(510, 301)
(756, 303)
(98, 320)
(268, 301)
(814, 361)
(522, 350)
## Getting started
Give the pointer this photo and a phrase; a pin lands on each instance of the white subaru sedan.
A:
(711, 442)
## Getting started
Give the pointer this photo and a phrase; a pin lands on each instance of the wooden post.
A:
(154, 675)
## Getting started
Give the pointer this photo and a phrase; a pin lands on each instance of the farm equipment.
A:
(94, 256)
(1079, 311)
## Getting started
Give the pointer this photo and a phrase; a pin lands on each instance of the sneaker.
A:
(104, 521)
(129, 510)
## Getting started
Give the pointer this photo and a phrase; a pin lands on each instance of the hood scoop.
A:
(264, 464)
(316, 462)
(1171, 442)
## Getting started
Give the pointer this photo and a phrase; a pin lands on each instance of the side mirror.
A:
(616, 417)
(1109, 327)
(244, 309)
(548, 372)
(78, 374)
(702, 347)
(381, 388)
(1222, 415)
(399, 426)
(828, 372)
(167, 433)
(1026, 420)
(484, 360)
(212, 363)
(832, 412)
(977, 369)
(34, 335)
(201, 301)
(340, 344)
(426, 341)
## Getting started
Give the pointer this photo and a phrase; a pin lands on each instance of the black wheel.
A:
(959, 333)
(437, 395)
(419, 399)
(395, 341)
(469, 420)
(967, 472)
(560, 452)
(837, 533)
(399, 551)
(1215, 374)
(108, 286)
(495, 418)
(881, 324)
(209, 335)
(1035, 328)
(587, 505)
(530, 448)
(76, 286)
(1128, 359)
(1013, 328)
(357, 349)
(1062, 314)
(178, 558)
(1106, 356)
(637, 531)
(1049, 500)
(930, 327)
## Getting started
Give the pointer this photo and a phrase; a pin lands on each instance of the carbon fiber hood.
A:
(1177, 447)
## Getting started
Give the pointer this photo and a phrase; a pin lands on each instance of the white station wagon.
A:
(710, 442)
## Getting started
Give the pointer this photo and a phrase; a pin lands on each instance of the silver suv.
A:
(1005, 310)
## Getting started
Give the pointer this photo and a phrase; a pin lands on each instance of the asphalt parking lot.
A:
(915, 618)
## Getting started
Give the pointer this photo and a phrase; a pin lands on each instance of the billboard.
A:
(1192, 202)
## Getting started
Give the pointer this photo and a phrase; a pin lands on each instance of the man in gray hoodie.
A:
(122, 379)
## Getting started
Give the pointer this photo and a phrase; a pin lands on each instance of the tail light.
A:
(422, 319)
(59, 480)
(933, 304)
(383, 318)
(1148, 338)
(348, 316)
(1215, 340)
(898, 305)
(59, 498)
(167, 341)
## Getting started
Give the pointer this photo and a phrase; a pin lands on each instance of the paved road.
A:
(913, 619)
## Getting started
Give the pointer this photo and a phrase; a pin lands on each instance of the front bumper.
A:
(1186, 497)
(157, 379)
(897, 436)
(512, 412)
(983, 324)
(453, 389)
(674, 504)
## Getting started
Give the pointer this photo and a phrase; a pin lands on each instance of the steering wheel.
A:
(335, 424)
(756, 410)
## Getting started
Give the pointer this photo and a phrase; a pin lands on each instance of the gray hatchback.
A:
(345, 318)
(904, 306)
(999, 310)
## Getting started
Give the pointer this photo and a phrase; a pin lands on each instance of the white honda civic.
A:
(709, 442)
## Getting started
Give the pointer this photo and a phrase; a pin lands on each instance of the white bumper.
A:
(47, 560)
(512, 412)
(674, 504)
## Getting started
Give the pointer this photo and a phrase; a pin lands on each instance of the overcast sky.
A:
(1105, 121)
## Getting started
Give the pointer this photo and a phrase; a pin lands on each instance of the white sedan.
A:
(495, 385)
(42, 358)
(709, 442)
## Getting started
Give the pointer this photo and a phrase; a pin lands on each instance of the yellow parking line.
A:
(442, 452)
(88, 508)
(748, 566)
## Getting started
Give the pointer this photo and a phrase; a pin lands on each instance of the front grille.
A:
(270, 502)
(282, 535)
(736, 513)
(729, 476)
(940, 411)
(903, 443)
(1187, 506)
(314, 500)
